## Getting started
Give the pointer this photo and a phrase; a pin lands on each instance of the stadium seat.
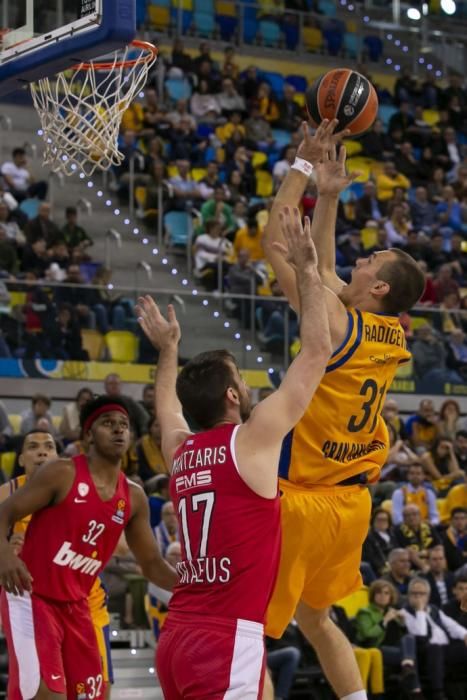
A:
(264, 183)
(7, 463)
(226, 17)
(352, 45)
(281, 137)
(327, 7)
(276, 81)
(291, 33)
(298, 81)
(353, 148)
(30, 207)
(93, 343)
(122, 346)
(431, 116)
(334, 40)
(387, 506)
(178, 227)
(259, 159)
(250, 25)
(159, 17)
(206, 6)
(204, 23)
(198, 173)
(355, 602)
(374, 47)
(15, 420)
(159, 3)
(405, 370)
(312, 39)
(360, 164)
(56, 422)
(269, 33)
(300, 98)
(178, 89)
(17, 299)
(369, 237)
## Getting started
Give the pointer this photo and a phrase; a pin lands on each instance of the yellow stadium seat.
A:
(362, 165)
(376, 168)
(431, 116)
(56, 421)
(7, 462)
(172, 171)
(93, 342)
(405, 371)
(353, 148)
(183, 4)
(387, 506)
(299, 98)
(264, 183)
(351, 26)
(259, 158)
(141, 194)
(369, 237)
(159, 17)
(355, 602)
(17, 299)
(419, 321)
(15, 420)
(228, 9)
(122, 346)
(198, 173)
(312, 39)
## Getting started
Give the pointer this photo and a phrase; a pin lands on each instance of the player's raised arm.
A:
(48, 484)
(143, 544)
(311, 151)
(164, 334)
(274, 417)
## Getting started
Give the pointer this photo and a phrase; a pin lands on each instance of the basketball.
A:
(345, 95)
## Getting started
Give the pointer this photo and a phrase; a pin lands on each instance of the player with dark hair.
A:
(79, 507)
(224, 489)
(341, 442)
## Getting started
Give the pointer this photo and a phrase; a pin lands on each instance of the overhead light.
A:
(425, 8)
(414, 13)
(448, 6)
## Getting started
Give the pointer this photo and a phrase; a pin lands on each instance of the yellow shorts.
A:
(101, 622)
(323, 530)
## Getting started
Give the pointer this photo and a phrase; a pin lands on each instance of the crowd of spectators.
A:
(406, 625)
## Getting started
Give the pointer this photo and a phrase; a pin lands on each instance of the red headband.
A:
(106, 408)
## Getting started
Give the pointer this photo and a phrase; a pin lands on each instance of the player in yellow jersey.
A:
(341, 442)
(39, 447)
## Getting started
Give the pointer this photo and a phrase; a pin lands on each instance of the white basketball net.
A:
(81, 109)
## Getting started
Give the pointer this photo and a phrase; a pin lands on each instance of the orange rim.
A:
(109, 65)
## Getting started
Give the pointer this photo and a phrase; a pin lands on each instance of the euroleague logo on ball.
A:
(349, 111)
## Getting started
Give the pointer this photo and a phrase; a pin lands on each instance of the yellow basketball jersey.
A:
(342, 433)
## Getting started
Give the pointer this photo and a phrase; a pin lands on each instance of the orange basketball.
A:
(345, 95)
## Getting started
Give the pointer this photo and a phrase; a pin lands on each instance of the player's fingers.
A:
(354, 175)
(281, 248)
(333, 152)
(171, 315)
(330, 127)
(25, 578)
(342, 154)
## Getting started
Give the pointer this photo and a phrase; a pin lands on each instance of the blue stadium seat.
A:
(291, 35)
(205, 130)
(269, 32)
(178, 89)
(374, 46)
(204, 23)
(352, 44)
(178, 227)
(30, 207)
(385, 113)
(327, 7)
(250, 25)
(187, 19)
(281, 137)
(333, 39)
(205, 6)
(298, 81)
(227, 26)
(276, 81)
(160, 3)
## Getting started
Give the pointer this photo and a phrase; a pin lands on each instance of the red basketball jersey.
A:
(67, 545)
(230, 536)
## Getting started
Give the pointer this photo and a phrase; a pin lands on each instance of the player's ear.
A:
(380, 288)
(232, 395)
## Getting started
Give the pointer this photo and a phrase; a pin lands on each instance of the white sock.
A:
(359, 695)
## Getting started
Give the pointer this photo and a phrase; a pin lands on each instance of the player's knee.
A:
(310, 620)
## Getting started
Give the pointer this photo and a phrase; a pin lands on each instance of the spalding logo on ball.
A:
(345, 95)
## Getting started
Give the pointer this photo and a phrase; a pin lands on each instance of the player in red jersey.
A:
(224, 487)
(80, 507)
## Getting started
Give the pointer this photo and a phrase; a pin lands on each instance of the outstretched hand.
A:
(330, 175)
(162, 332)
(314, 147)
(299, 251)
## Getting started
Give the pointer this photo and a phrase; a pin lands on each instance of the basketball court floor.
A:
(134, 675)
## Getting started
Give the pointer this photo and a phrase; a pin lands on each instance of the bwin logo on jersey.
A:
(78, 562)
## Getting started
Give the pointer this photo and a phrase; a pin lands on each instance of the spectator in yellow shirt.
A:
(250, 238)
(388, 181)
(133, 118)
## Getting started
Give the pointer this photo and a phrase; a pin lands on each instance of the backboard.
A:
(40, 38)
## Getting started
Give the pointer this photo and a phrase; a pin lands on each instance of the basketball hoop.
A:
(81, 109)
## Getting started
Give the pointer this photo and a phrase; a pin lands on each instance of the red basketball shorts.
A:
(216, 658)
(52, 641)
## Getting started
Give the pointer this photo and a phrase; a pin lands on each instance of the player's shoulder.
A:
(62, 467)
